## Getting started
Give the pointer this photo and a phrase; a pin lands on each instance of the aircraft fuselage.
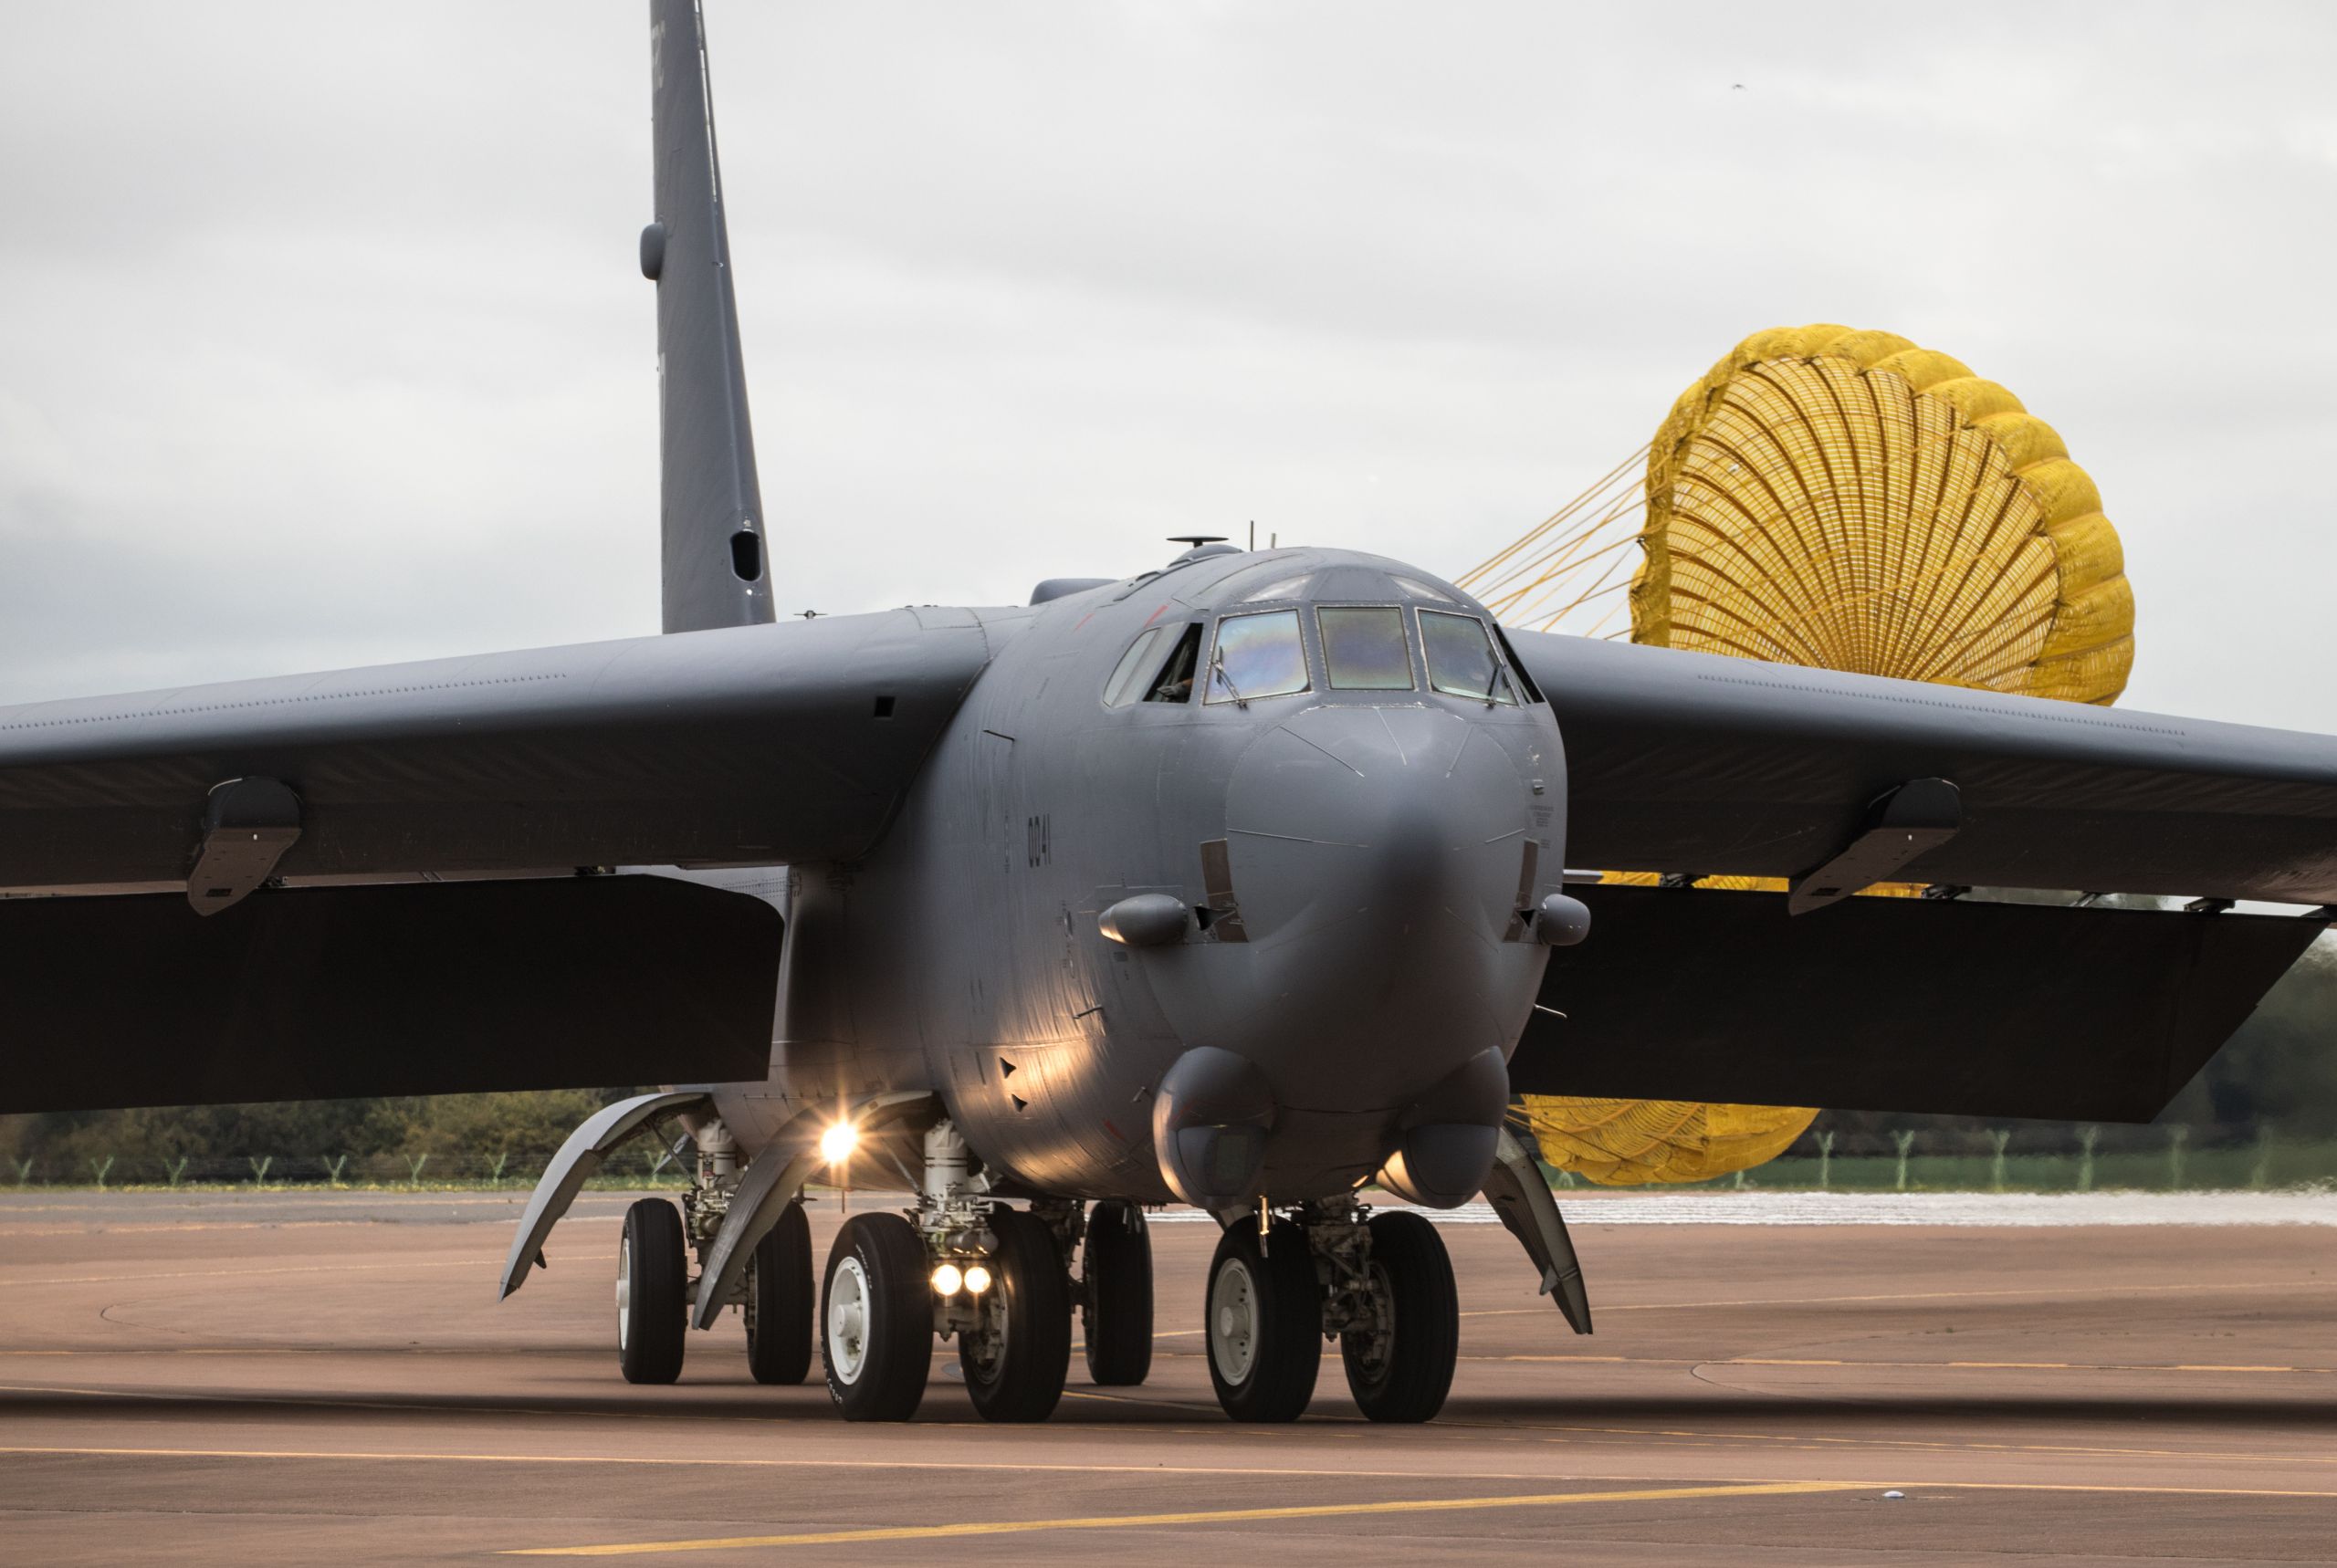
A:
(1353, 860)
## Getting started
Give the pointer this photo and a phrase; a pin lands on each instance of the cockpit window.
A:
(1257, 657)
(1281, 588)
(1174, 682)
(1134, 666)
(1524, 676)
(1364, 648)
(1460, 658)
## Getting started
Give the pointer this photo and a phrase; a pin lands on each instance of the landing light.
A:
(978, 1278)
(838, 1141)
(946, 1279)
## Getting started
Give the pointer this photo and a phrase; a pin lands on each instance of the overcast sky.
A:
(322, 340)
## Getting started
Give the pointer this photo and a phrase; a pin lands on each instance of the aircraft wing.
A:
(1897, 1004)
(1701, 764)
(281, 808)
(756, 744)
(1695, 764)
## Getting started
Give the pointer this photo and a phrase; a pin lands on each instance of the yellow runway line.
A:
(1882, 1445)
(1205, 1516)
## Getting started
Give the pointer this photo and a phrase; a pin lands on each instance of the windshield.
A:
(1364, 649)
(1257, 657)
(1460, 658)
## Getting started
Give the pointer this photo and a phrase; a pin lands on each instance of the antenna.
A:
(1196, 540)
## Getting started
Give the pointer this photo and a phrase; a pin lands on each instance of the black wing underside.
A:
(1897, 1004)
(327, 993)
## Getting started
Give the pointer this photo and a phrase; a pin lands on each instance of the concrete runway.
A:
(275, 1378)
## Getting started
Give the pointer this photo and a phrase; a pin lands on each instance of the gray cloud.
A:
(320, 342)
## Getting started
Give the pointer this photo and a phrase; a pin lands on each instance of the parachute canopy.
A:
(1849, 501)
(1622, 1143)
(1844, 500)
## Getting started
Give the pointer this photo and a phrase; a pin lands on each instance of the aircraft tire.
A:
(652, 1280)
(782, 1305)
(1264, 1317)
(1030, 1299)
(876, 1319)
(1405, 1374)
(1115, 1319)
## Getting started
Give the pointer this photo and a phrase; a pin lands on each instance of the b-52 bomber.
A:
(1240, 882)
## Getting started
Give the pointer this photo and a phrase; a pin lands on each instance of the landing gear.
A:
(1116, 1308)
(1399, 1358)
(1264, 1323)
(779, 1300)
(877, 1321)
(1380, 1284)
(1018, 1351)
(653, 1280)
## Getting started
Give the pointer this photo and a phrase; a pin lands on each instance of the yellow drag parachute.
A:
(1622, 1143)
(1849, 501)
(1844, 500)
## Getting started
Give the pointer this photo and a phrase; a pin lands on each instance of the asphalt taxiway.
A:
(326, 1378)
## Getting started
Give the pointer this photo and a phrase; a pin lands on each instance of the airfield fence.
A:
(2017, 1158)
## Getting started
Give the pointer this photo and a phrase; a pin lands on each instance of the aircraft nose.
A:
(1378, 857)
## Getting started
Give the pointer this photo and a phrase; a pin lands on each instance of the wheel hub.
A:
(624, 1295)
(848, 1320)
(1233, 1328)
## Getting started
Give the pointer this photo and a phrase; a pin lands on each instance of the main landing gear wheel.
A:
(1115, 1319)
(1401, 1368)
(652, 1279)
(779, 1301)
(1015, 1363)
(1265, 1324)
(877, 1320)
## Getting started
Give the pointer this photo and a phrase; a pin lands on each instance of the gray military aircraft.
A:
(1239, 882)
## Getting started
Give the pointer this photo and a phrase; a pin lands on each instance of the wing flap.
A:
(330, 993)
(1897, 1004)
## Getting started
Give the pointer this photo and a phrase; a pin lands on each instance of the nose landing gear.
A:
(998, 1280)
(1265, 1323)
(1380, 1284)
(1399, 1356)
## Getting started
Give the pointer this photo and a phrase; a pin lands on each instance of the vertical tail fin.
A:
(716, 568)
